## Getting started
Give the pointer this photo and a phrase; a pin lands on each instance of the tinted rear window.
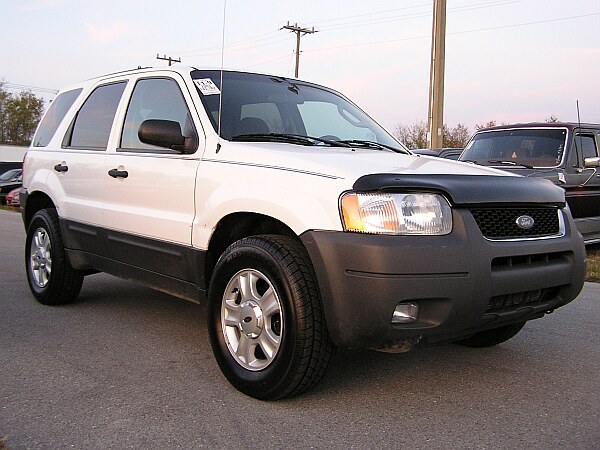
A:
(94, 120)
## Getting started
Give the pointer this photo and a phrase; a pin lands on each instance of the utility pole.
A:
(168, 58)
(299, 32)
(436, 77)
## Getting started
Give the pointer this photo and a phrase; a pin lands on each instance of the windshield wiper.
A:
(284, 137)
(372, 144)
(510, 163)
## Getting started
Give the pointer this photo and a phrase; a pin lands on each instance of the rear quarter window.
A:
(52, 119)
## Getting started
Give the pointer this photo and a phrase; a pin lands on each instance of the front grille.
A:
(501, 223)
(508, 302)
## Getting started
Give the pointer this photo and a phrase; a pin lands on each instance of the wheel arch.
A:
(35, 201)
(239, 225)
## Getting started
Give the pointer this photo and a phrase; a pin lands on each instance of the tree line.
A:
(19, 116)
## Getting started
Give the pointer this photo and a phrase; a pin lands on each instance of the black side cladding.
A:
(469, 189)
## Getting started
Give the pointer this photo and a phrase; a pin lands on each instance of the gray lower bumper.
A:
(462, 282)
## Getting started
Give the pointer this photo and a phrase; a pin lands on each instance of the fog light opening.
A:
(405, 313)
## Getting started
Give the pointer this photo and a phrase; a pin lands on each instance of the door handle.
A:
(61, 167)
(115, 173)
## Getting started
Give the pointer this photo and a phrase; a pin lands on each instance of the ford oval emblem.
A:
(525, 222)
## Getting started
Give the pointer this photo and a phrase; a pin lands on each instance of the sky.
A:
(506, 60)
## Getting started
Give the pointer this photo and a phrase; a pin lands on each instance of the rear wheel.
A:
(51, 278)
(489, 338)
(266, 324)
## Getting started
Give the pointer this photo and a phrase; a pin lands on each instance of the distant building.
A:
(11, 157)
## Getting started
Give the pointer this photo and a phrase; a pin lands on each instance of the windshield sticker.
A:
(207, 87)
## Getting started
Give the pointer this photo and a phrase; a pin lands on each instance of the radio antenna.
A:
(579, 123)
(221, 82)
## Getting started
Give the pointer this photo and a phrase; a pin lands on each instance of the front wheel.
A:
(266, 323)
(51, 278)
(489, 338)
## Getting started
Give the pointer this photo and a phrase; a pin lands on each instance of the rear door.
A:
(148, 196)
(75, 173)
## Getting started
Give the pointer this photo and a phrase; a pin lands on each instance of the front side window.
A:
(52, 119)
(587, 143)
(93, 123)
(528, 147)
(154, 98)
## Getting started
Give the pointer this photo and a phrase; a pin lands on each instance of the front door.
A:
(148, 206)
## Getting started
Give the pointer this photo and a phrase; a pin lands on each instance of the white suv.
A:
(302, 222)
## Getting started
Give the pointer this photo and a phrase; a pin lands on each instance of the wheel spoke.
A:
(245, 350)
(247, 281)
(269, 302)
(232, 316)
(269, 343)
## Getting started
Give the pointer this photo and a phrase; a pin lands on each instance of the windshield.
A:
(267, 108)
(519, 147)
(9, 175)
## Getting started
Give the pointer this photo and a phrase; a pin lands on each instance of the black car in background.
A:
(9, 180)
(564, 153)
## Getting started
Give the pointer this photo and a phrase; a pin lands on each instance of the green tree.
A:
(19, 116)
(4, 99)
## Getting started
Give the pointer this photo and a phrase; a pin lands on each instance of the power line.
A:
(475, 30)
(24, 87)
(269, 38)
(427, 36)
(415, 15)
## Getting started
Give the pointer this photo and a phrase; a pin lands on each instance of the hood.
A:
(344, 163)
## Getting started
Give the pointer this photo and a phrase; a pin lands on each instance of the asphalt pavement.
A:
(128, 367)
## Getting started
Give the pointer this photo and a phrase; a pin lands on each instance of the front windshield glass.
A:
(261, 107)
(10, 174)
(525, 147)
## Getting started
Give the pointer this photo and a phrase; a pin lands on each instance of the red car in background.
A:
(12, 198)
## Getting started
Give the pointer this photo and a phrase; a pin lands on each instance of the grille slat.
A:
(501, 223)
(510, 302)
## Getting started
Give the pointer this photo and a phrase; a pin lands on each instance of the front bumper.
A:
(462, 282)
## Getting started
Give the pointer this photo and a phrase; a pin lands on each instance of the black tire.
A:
(489, 338)
(51, 278)
(279, 322)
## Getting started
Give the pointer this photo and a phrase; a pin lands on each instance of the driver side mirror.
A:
(167, 134)
(590, 163)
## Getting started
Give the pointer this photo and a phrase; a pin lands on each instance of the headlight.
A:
(383, 213)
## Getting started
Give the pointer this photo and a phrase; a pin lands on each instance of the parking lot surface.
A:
(128, 367)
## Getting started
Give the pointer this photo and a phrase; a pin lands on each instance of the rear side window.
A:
(54, 116)
(92, 125)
